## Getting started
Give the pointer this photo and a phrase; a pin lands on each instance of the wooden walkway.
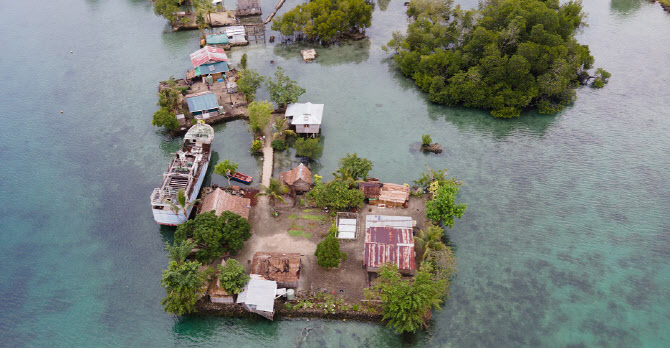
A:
(279, 5)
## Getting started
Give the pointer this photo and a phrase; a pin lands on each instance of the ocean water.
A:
(566, 240)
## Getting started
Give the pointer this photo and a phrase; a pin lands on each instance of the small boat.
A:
(240, 177)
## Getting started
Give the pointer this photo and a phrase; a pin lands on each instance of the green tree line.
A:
(506, 56)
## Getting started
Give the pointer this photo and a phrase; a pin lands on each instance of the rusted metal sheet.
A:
(389, 245)
(208, 54)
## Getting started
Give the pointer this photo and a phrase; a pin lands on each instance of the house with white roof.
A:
(305, 117)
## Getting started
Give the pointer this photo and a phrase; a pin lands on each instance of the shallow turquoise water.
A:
(565, 242)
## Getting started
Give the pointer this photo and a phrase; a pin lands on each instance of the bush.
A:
(328, 252)
(426, 140)
(256, 146)
(279, 145)
(308, 147)
(233, 276)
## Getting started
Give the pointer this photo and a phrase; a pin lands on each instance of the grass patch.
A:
(296, 227)
(299, 233)
(307, 210)
(292, 217)
(315, 217)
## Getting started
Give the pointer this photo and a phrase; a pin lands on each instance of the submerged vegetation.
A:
(507, 56)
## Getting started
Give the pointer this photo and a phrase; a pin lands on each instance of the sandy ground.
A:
(270, 234)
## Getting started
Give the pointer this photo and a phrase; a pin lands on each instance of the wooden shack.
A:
(220, 201)
(371, 190)
(248, 7)
(308, 55)
(392, 195)
(284, 268)
(298, 179)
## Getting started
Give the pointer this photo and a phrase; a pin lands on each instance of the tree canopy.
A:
(308, 147)
(507, 56)
(183, 283)
(406, 305)
(274, 191)
(356, 167)
(215, 235)
(443, 207)
(282, 89)
(260, 113)
(164, 117)
(232, 276)
(226, 168)
(328, 252)
(324, 20)
(336, 195)
(249, 82)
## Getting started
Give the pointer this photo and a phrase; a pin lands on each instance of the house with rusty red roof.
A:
(389, 239)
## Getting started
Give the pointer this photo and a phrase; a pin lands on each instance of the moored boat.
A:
(240, 177)
(186, 171)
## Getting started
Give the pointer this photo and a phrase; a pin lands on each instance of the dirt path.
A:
(268, 158)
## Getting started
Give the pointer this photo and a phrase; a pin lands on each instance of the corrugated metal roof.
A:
(221, 201)
(206, 101)
(280, 267)
(206, 69)
(305, 113)
(235, 30)
(208, 54)
(389, 239)
(259, 294)
(217, 39)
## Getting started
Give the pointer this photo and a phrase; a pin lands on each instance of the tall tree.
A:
(357, 167)
(180, 250)
(327, 252)
(226, 168)
(282, 89)
(249, 83)
(215, 235)
(183, 284)
(164, 117)
(274, 191)
(232, 276)
(260, 114)
(443, 207)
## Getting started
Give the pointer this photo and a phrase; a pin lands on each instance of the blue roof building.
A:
(210, 69)
(201, 103)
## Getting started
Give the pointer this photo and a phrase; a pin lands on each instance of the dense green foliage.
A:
(167, 8)
(357, 168)
(180, 250)
(248, 83)
(275, 190)
(256, 146)
(328, 251)
(260, 113)
(426, 140)
(164, 117)
(226, 168)
(335, 195)
(279, 144)
(324, 20)
(429, 239)
(430, 176)
(443, 207)
(308, 147)
(508, 56)
(406, 305)
(215, 235)
(183, 283)
(232, 276)
(282, 89)
(601, 78)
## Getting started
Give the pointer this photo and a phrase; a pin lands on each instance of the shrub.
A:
(256, 146)
(279, 145)
(426, 140)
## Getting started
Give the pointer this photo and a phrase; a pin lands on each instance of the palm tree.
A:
(347, 176)
(430, 239)
(274, 191)
(280, 132)
(182, 205)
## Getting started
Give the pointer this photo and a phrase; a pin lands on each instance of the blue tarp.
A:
(221, 39)
(202, 103)
(206, 69)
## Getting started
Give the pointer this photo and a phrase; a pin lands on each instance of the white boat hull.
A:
(167, 217)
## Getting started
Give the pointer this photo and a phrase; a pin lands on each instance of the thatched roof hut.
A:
(284, 268)
(298, 179)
